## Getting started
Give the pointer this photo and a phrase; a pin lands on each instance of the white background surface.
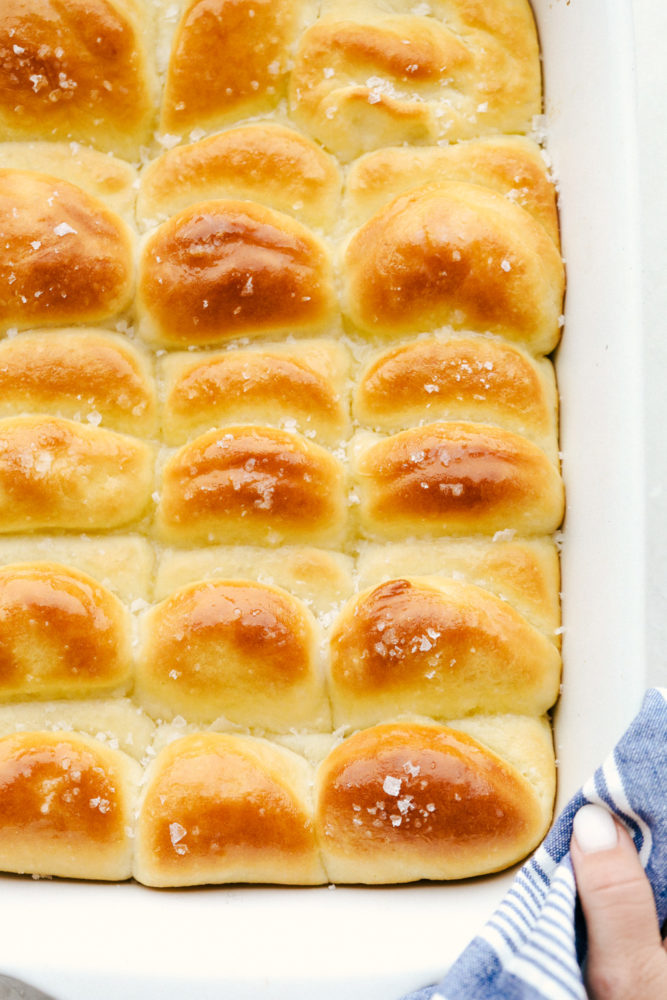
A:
(651, 66)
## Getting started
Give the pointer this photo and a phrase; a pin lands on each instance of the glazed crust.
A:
(410, 800)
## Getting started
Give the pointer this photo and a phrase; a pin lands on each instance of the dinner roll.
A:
(63, 634)
(55, 473)
(370, 74)
(105, 177)
(455, 479)
(437, 647)
(226, 269)
(457, 255)
(460, 378)
(64, 257)
(301, 386)
(263, 162)
(87, 375)
(77, 70)
(252, 485)
(226, 808)
(66, 806)
(525, 572)
(512, 165)
(412, 799)
(229, 60)
(233, 648)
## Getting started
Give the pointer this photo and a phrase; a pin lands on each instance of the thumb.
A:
(624, 945)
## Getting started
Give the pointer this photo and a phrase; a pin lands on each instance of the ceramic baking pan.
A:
(79, 940)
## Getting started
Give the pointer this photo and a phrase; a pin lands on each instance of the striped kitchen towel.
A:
(533, 946)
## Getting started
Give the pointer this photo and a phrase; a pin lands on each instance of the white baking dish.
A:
(81, 941)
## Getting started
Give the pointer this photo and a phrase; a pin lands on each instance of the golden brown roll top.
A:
(263, 162)
(525, 572)
(229, 60)
(111, 180)
(64, 257)
(368, 75)
(460, 378)
(300, 386)
(411, 800)
(226, 269)
(83, 375)
(455, 479)
(252, 485)
(511, 165)
(63, 634)
(76, 70)
(223, 808)
(437, 647)
(458, 255)
(66, 806)
(233, 648)
(55, 473)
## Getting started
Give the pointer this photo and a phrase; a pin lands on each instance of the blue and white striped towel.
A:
(533, 946)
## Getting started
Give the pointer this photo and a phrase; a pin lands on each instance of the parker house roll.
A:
(376, 74)
(322, 580)
(263, 162)
(511, 165)
(64, 256)
(303, 386)
(67, 806)
(237, 633)
(221, 807)
(524, 572)
(57, 473)
(228, 59)
(455, 254)
(454, 478)
(235, 648)
(252, 485)
(460, 378)
(412, 799)
(225, 269)
(81, 70)
(65, 611)
(105, 177)
(438, 647)
(84, 374)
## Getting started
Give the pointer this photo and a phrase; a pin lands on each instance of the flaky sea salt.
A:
(176, 833)
(391, 785)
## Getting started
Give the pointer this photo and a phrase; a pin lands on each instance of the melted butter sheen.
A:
(58, 787)
(238, 480)
(66, 257)
(422, 787)
(226, 804)
(224, 269)
(61, 633)
(207, 631)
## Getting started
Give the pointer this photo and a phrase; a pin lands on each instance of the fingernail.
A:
(594, 830)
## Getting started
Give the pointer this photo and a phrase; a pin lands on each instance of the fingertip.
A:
(594, 830)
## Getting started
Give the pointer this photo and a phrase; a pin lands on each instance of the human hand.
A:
(626, 958)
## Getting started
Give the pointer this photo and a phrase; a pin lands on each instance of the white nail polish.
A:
(594, 829)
